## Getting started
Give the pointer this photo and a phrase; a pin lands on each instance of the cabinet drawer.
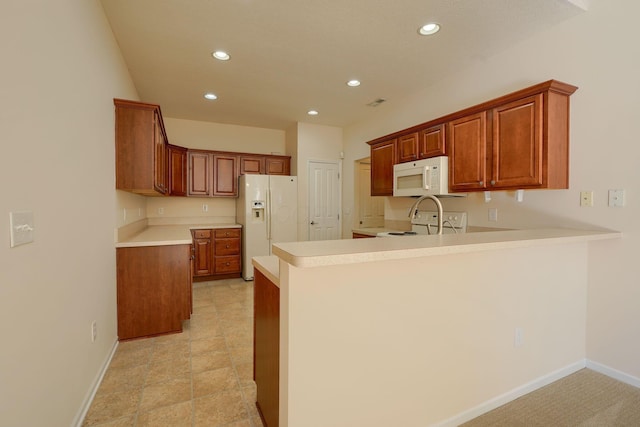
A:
(202, 234)
(227, 247)
(222, 233)
(227, 264)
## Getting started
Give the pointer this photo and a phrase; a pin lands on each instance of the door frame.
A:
(337, 162)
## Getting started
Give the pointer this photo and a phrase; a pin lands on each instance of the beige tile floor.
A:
(201, 377)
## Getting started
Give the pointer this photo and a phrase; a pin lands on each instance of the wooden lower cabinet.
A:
(360, 236)
(217, 253)
(266, 347)
(153, 290)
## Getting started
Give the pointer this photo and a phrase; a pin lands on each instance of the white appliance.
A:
(422, 177)
(426, 222)
(267, 209)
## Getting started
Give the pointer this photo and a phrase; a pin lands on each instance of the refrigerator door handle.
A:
(268, 213)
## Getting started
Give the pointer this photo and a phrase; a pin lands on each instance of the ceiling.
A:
(291, 56)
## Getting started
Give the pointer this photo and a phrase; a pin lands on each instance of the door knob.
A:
(313, 222)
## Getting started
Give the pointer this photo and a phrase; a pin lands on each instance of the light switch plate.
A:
(22, 227)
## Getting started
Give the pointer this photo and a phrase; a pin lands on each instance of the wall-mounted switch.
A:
(22, 228)
(493, 214)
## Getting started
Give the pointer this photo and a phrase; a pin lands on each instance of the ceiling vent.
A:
(376, 102)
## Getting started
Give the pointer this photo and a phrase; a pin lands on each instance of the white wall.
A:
(61, 69)
(224, 137)
(413, 342)
(314, 142)
(597, 52)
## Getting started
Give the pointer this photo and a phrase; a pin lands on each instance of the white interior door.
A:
(370, 208)
(324, 200)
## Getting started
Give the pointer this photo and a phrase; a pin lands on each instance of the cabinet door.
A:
(432, 142)
(177, 171)
(408, 147)
(160, 160)
(140, 148)
(383, 157)
(251, 164)
(199, 174)
(225, 175)
(152, 288)
(203, 253)
(467, 146)
(278, 165)
(517, 144)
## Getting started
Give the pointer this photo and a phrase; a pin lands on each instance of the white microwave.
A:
(422, 177)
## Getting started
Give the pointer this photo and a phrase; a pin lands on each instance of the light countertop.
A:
(269, 266)
(163, 235)
(350, 251)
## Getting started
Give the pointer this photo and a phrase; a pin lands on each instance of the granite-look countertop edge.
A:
(166, 235)
(351, 251)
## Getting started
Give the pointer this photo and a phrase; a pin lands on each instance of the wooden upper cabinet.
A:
(177, 170)
(141, 153)
(200, 182)
(212, 174)
(278, 165)
(432, 142)
(517, 141)
(468, 152)
(225, 175)
(517, 144)
(407, 147)
(383, 157)
(251, 164)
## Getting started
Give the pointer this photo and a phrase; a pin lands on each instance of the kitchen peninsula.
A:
(155, 268)
(420, 330)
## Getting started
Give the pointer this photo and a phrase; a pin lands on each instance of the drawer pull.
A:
(227, 246)
(228, 264)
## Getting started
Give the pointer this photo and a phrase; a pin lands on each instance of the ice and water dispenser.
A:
(257, 211)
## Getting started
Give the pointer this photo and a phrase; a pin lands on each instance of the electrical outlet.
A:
(493, 214)
(616, 198)
(160, 211)
(586, 198)
(205, 208)
(94, 331)
(518, 337)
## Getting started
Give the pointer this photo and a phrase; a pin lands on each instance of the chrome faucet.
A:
(414, 210)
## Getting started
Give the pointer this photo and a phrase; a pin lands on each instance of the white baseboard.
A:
(82, 412)
(511, 395)
(613, 373)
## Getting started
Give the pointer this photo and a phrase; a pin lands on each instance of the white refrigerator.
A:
(267, 210)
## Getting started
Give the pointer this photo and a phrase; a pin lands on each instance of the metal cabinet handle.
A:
(227, 246)
(481, 182)
(313, 222)
(228, 264)
(493, 182)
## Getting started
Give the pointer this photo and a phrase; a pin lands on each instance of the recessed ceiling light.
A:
(312, 112)
(210, 95)
(221, 55)
(353, 83)
(428, 29)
